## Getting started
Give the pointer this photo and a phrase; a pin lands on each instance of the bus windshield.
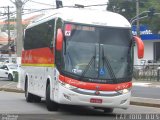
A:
(97, 54)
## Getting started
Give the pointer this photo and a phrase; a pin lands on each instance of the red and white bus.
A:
(78, 56)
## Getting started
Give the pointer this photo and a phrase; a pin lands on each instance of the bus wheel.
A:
(51, 106)
(29, 96)
(36, 98)
(108, 110)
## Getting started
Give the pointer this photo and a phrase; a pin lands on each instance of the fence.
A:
(147, 72)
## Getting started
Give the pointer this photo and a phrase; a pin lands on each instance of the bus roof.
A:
(85, 16)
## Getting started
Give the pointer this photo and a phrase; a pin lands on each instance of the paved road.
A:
(14, 103)
(146, 92)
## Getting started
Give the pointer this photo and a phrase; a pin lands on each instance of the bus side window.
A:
(51, 43)
(50, 33)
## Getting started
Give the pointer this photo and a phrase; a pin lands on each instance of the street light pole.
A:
(139, 18)
(137, 14)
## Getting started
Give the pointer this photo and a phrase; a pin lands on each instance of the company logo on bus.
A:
(122, 86)
(97, 87)
(97, 93)
(97, 90)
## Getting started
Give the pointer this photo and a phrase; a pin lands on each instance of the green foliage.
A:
(127, 8)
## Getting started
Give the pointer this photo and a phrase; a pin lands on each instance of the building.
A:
(151, 44)
(3, 38)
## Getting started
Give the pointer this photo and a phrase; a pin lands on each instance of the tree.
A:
(19, 4)
(153, 21)
(127, 8)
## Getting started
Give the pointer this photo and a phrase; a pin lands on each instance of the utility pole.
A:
(8, 15)
(9, 37)
(137, 14)
(19, 39)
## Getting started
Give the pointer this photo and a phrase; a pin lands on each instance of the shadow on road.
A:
(79, 110)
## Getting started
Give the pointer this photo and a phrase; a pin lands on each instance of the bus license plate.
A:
(95, 100)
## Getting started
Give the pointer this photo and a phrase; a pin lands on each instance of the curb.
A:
(145, 104)
(149, 102)
(12, 90)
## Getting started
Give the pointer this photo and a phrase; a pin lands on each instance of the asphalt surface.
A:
(146, 92)
(15, 103)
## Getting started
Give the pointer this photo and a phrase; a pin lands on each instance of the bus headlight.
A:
(68, 86)
(124, 91)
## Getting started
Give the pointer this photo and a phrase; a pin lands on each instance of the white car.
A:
(6, 70)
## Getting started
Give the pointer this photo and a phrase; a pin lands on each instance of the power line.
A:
(36, 10)
(41, 3)
(6, 17)
(96, 5)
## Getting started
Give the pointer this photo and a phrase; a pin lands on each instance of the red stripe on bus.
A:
(95, 86)
(38, 56)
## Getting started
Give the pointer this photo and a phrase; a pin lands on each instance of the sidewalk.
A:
(149, 102)
(10, 86)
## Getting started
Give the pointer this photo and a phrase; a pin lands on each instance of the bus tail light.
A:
(140, 46)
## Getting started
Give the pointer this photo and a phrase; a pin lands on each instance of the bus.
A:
(77, 56)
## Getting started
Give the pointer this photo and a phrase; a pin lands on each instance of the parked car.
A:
(6, 70)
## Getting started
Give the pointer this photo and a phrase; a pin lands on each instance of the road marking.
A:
(157, 86)
(145, 98)
(141, 84)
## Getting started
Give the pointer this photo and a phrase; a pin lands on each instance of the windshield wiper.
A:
(89, 64)
(87, 67)
(108, 65)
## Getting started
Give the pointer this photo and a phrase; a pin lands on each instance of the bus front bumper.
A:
(67, 96)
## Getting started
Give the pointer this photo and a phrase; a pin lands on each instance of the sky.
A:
(65, 2)
(34, 4)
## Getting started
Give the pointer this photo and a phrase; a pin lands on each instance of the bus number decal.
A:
(68, 29)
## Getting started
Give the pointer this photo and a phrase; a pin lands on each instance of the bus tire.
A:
(51, 106)
(108, 110)
(36, 98)
(29, 96)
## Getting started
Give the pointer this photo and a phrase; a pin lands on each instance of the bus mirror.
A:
(59, 41)
(140, 46)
